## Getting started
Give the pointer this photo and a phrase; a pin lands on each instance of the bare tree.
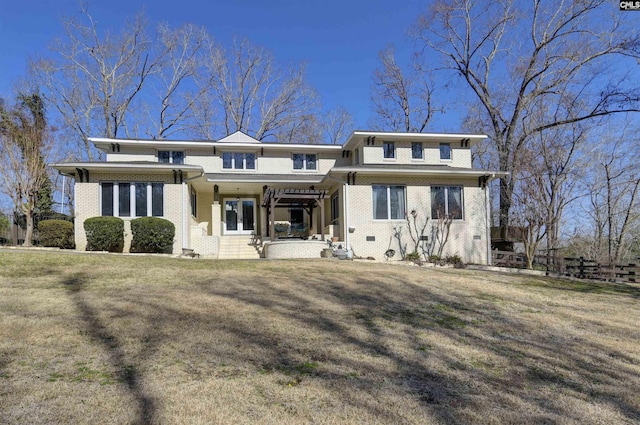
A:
(402, 100)
(181, 81)
(337, 125)
(516, 56)
(255, 95)
(24, 144)
(96, 76)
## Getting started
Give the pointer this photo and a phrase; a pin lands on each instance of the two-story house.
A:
(239, 188)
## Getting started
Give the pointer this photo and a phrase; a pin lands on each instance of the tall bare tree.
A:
(402, 100)
(255, 95)
(95, 76)
(516, 56)
(613, 187)
(24, 145)
(181, 81)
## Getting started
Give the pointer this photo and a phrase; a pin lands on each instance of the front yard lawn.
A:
(90, 338)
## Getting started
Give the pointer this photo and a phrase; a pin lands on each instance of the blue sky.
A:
(339, 40)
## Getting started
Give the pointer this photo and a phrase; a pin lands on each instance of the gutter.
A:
(345, 202)
(184, 207)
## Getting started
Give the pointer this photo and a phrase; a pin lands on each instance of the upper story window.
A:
(127, 199)
(171, 157)
(446, 201)
(389, 202)
(445, 151)
(416, 150)
(389, 150)
(239, 161)
(305, 161)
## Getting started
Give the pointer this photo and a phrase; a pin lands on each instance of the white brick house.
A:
(357, 192)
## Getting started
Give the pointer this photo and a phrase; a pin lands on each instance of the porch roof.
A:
(73, 168)
(286, 197)
(283, 198)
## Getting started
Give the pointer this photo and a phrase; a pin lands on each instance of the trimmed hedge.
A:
(104, 234)
(56, 233)
(152, 234)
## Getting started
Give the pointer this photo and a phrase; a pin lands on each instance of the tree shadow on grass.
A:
(99, 332)
(535, 359)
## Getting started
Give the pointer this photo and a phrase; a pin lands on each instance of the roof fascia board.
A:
(105, 143)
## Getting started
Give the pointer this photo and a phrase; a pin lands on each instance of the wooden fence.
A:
(569, 266)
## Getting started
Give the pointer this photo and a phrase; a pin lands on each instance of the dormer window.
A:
(239, 161)
(171, 157)
(445, 151)
(305, 161)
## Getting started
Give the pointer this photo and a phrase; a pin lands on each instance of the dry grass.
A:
(121, 339)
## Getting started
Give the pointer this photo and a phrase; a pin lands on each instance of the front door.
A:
(240, 216)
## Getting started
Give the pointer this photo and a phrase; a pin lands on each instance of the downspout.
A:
(488, 216)
(345, 204)
(184, 208)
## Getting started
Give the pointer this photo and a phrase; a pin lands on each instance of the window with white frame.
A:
(445, 151)
(446, 201)
(132, 199)
(171, 157)
(239, 160)
(416, 150)
(388, 150)
(389, 202)
(304, 161)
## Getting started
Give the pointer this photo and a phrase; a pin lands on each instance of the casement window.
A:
(132, 199)
(389, 202)
(416, 150)
(389, 150)
(239, 161)
(194, 203)
(445, 151)
(335, 211)
(305, 161)
(171, 157)
(446, 201)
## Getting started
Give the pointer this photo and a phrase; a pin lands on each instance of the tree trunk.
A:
(29, 234)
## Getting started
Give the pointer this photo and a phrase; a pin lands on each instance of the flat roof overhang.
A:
(418, 170)
(359, 136)
(108, 145)
(265, 178)
(74, 168)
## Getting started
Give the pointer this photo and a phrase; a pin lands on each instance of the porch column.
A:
(216, 215)
(321, 202)
(272, 225)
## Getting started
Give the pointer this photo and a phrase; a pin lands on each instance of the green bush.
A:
(413, 256)
(56, 233)
(152, 234)
(456, 260)
(104, 234)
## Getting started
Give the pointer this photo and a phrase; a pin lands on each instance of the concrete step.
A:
(238, 247)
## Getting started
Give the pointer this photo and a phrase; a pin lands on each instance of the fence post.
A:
(632, 272)
(581, 268)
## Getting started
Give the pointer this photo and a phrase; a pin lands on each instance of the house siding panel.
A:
(461, 239)
(90, 205)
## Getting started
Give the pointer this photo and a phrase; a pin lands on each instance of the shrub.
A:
(56, 233)
(104, 234)
(456, 260)
(152, 234)
(413, 256)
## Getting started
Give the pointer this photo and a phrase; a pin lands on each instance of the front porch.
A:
(253, 215)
